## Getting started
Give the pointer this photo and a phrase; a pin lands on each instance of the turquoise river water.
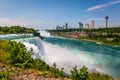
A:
(67, 53)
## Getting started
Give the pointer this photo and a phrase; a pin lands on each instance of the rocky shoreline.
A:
(72, 35)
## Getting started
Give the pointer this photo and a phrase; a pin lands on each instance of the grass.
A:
(3, 44)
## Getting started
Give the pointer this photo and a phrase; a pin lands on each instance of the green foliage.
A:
(4, 76)
(3, 44)
(15, 29)
(18, 55)
(98, 76)
(83, 74)
(79, 75)
(40, 65)
(108, 39)
(116, 40)
(57, 73)
(110, 30)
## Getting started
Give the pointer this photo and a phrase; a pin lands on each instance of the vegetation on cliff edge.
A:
(15, 54)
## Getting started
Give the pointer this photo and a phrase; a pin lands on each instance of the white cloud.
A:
(11, 22)
(97, 7)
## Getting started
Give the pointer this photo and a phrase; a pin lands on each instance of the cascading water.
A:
(67, 53)
(35, 44)
(50, 53)
(65, 57)
(44, 33)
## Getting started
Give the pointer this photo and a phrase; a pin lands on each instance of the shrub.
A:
(83, 74)
(57, 73)
(18, 56)
(40, 65)
(79, 75)
(4, 76)
(98, 76)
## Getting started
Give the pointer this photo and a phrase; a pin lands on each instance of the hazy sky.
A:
(47, 14)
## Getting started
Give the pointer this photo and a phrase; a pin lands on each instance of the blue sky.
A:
(47, 14)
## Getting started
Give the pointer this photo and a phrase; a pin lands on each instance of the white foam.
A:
(44, 33)
(65, 57)
(34, 44)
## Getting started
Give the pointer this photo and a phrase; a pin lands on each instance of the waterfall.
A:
(35, 44)
(44, 33)
(64, 57)
(50, 53)
(68, 53)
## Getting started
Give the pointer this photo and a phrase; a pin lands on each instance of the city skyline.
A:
(47, 14)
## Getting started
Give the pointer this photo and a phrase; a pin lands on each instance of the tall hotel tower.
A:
(92, 24)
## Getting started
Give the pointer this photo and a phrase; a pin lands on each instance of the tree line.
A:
(15, 30)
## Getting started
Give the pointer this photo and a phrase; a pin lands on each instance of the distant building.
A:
(63, 26)
(59, 28)
(66, 25)
(80, 25)
(92, 24)
(87, 26)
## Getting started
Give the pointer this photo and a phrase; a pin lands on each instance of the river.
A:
(67, 53)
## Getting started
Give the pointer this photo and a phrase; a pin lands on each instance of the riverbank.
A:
(85, 37)
(102, 41)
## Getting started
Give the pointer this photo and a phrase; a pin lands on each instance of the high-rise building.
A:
(80, 25)
(92, 24)
(66, 25)
(87, 26)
